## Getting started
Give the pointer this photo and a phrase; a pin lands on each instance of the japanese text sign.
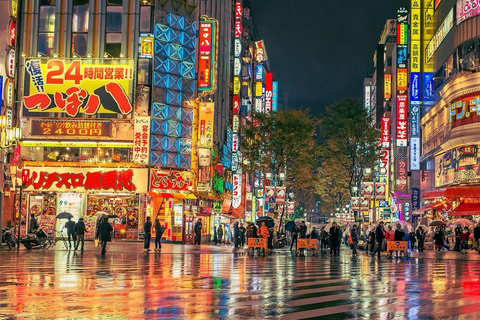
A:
(84, 179)
(73, 86)
(385, 132)
(388, 86)
(170, 180)
(440, 35)
(237, 191)
(402, 79)
(205, 123)
(268, 91)
(464, 110)
(401, 165)
(71, 128)
(141, 140)
(467, 9)
(402, 124)
(207, 55)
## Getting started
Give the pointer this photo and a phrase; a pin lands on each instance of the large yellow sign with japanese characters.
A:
(74, 86)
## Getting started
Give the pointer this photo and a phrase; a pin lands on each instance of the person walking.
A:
(438, 239)
(197, 229)
(104, 234)
(458, 233)
(220, 234)
(159, 230)
(242, 230)
(354, 235)
(399, 235)
(379, 236)
(323, 238)
(147, 227)
(464, 236)
(294, 237)
(314, 234)
(254, 230)
(263, 231)
(421, 238)
(33, 224)
(80, 230)
(236, 235)
(302, 230)
(334, 238)
(70, 226)
(476, 236)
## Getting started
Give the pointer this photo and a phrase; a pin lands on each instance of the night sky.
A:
(320, 50)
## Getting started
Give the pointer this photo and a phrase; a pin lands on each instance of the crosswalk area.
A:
(193, 284)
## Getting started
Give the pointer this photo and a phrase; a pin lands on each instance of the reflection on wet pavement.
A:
(186, 282)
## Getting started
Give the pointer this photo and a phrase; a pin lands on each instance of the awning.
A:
(436, 205)
(465, 209)
(172, 195)
(453, 192)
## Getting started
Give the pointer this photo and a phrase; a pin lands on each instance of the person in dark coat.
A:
(334, 233)
(104, 234)
(379, 236)
(70, 226)
(314, 233)
(159, 229)
(236, 235)
(147, 227)
(323, 238)
(254, 230)
(197, 229)
(438, 239)
(242, 230)
(80, 230)
(354, 235)
(458, 233)
(476, 237)
(302, 230)
(220, 234)
(294, 237)
(33, 224)
(270, 238)
(420, 238)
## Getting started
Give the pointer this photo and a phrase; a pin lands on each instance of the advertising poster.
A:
(368, 190)
(457, 165)
(47, 223)
(204, 170)
(467, 9)
(280, 194)
(74, 86)
(402, 124)
(90, 227)
(141, 140)
(380, 191)
(207, 55)
(205, 124)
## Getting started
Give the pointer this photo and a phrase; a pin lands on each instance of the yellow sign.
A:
(146, 47)
(402, 79)
(388, 86)
(205, 125)
(74, 86)
(236, 85)
(14, 8)
(258, 89)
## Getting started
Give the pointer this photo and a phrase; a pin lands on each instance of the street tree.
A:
(349, 140)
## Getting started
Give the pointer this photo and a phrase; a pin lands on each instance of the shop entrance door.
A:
(188, 234)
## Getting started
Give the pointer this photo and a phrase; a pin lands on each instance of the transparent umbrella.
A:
(462, 222)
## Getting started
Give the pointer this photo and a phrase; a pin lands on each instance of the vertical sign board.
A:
(388, 86)
(415, 199)
(401, 166)
(207, 55)
(141, 140)
(205, 124)
(275, 96)
(385, 132)
(401, 120)
(268, 91)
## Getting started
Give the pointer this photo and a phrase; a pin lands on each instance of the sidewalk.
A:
(446, 255)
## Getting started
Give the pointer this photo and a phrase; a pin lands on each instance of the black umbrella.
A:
(290, 225)
(268, 221)
(64, 215)
(112, 216)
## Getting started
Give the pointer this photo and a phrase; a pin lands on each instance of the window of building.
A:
(46, 28)
(143, 74)
(146, 18)
(113, 28)
(80, 27)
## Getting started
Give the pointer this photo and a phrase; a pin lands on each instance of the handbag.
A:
(97, 243)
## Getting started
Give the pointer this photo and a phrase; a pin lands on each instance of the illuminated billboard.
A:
(467, 9)
(207, 55)
(74, 86)
(440, 35)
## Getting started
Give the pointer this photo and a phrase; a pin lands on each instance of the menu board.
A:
(47, 223)
(90, 226)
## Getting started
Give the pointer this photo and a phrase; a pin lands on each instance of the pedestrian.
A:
(421, 238)
(302, 230)
(215, 237)
(476, 236)
(263, 231)
(314, 233)
(104, 234)
(80, 230)
(413, 240)
(236, 235)
(438, 239)
(294, 237)
(323, 238)
(399, 235)
(220, 234)
(147, 227)
(33, 224)
(242, 230)
(371, 241)
(380, 237)
(197, 229)
(354, 235)
(464, 236)
(334, 238)
(159, 230)
(70, 226)
(254, 230)
(270, 238)
(390, 234)
(458, 233)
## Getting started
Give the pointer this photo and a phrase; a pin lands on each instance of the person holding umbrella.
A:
(263, 231)
(80, 230)
(70, 226)
(104, 234)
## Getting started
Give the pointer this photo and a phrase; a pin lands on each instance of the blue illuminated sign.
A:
(275, 96)
(415, 88)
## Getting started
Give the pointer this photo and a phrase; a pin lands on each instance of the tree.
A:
(283, 142)
(350, 141)
(332, 186)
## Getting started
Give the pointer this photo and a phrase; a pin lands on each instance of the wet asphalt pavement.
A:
(188, 282)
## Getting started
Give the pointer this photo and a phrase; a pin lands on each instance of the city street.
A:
(210, 282)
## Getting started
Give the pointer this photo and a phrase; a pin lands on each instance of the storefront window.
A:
(143, 74)
(76, 154)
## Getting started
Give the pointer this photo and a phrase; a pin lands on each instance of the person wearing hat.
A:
(80, 232)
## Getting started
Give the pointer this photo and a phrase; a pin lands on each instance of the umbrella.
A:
(100, 214)
(268, 221)
(437, 223)
(332, 220)
(424, 227)
(406, 226)
(289, 225)
(462, 222)
(64, 215)
(112, 216)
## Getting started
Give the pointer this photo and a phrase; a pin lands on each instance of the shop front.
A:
(86, 193)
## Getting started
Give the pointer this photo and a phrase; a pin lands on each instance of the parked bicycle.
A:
(36, 239)
(8, 237)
